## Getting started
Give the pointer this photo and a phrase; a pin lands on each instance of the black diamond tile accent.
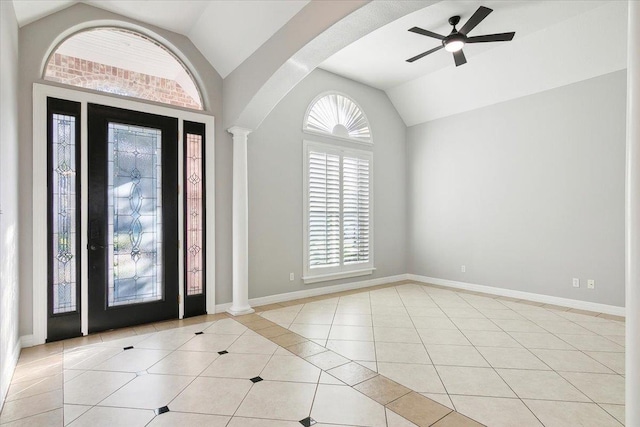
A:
(308, 422)
(223, 352)
(162, 410)
(199, 333)
(256, 379)
(128, 348)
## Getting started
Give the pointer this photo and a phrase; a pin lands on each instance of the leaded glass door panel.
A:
(133, 234)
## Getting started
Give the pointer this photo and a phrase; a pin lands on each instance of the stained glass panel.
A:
(134, 214)
(194, 215)
(63, 187)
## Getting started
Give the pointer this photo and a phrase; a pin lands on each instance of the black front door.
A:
(132, 217)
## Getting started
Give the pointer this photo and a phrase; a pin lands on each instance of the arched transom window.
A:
(125, 63)
(336, 115)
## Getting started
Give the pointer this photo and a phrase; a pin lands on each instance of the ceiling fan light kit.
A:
(456, 40)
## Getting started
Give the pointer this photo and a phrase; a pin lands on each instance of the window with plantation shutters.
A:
(338, 223)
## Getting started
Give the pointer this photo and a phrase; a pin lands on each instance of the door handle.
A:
(95, 246)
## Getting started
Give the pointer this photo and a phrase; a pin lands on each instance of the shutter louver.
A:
(324, 209)
(355, 184)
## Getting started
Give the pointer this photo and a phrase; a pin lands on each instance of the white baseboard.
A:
(28, 341)
(7, 372)
(289, 296)
(529, 296)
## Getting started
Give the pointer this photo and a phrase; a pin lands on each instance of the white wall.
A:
(275, 159)
(9, 289)
(527, 194)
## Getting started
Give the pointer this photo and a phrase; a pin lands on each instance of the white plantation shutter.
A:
(338, 216)
(324, 209)
(355, 209)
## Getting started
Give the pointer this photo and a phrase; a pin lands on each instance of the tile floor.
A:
(392, 356)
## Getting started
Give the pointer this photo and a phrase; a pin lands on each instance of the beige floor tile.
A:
(496, 412)
(368, 364)
(236, 365)
(93, 386)
(273, 331)
(226, 327)
(165, 340)
(352, 319)
(289, 339)
(465, 324)
(614, 361)
(172, 419)
(563, 327)
(69, 374)
(252, 345)
(189, 363)
(513, 358)
(443, 336)
(401, 352)
(602, 328)
(99, 416)
(455, 355)
(343, 405)
(305, 349)
(352, 373)
(134, 360)
(518, 325)
(328, 379)
(50, 418)
(351, 333)
(257, 422)
(382, 389)
(546, 385)
(278, 400)
(463, 313)
(591, 343)
(541, 340)
(327, 360)
(473, 381)
(81, 341)
(381, 310)
(88, 357)
(421, 378)
(500, 313)
(354, 350)
(29, 406)
(314, 318)
(33, 387)
(31, 354)
(403, 321)
(617, 411)
(259, 324)
(408, 335)
(620, 340)
(290, 368)
(311, 331)
(455, 419)
(123, 342)
(601, 388)
(395, 420)
(148, 391)
(418, 409)
(71, 412)
(442, 399)
(434, 323)
(280, 316)
(570, 361)
(42, 368)
(219, 396)
(491, 339)
(569, 414)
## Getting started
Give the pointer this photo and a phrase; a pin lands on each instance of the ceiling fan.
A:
(455, 41)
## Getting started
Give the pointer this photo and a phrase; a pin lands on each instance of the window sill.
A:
(334, 276)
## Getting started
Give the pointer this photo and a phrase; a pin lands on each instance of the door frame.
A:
(40, 194)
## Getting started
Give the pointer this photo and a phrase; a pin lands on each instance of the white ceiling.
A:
(226, 32)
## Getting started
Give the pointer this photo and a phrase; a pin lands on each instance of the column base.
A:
(239, 311)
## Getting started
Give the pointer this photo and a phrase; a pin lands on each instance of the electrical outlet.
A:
(463, 268)
(291, 277)
(576, 282)
(591, 284)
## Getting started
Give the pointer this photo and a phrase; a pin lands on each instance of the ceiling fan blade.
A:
(423, 54)
(475, 19)
(459, 58)
(427, 33)
(501, 37)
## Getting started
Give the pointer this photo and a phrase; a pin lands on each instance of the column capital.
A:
(239, 131)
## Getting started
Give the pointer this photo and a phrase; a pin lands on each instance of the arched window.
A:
(338, 214)
(337, 115)
(122, 62)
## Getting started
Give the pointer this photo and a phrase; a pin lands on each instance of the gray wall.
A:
(8, 194)
(35, 41)
(527, 194)
(276, 181)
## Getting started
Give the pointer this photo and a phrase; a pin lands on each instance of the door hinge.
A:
(179, 299)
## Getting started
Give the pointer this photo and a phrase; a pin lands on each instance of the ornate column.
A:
(240, 227)
(632, 300)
